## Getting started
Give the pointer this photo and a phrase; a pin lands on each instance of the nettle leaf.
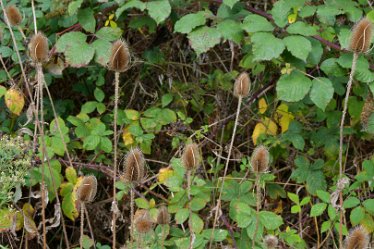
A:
(299, 46)
(293, 87)
(266, 46)
(77, 52)
(159, 10)
(322, 92)
(203, 39)
(188, 22)
(256, 23)
(87, 20)
(230, 3)
(230, 30)
(302, 28)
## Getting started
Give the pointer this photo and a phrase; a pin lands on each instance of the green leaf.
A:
(109, 33)
(142, 203)
(74, 6)
(77, 52)
(137, 4)
(299, 46)
(256, 23)
(166, 99)
(99, 94)
(305, 200)
(101, 51)
(357, 215)
(91, 142)
(302, 28)
(323, 195)
(88, 107)
(230, 30)
(105, 144)
(325, 226)
(197, 223)
(280, 12)
(369, 206)
(87, 20)
(266, 46)
(241, 213)
(293, 197)
(182, 215)
(270, 220)
(218, 234)
(159, 10)
(230, 3)
(2, 91)
(87, 242)
(370, 124)
(203, 39)
(197, 204)
(318, 209)
(351, 202)
(190, 21)
(293, 87)
(322, 92)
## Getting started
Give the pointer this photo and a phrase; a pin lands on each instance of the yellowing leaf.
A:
(28, 222)
(132, 114)
(268, 127)
(283, 117)
(14, 101)
(292, 18)
(152, 203)
(279, 208)
(262, 106)
(127, 137)
(71, 174)
(164, 174)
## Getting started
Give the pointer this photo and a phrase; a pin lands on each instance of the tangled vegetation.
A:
(186, 124)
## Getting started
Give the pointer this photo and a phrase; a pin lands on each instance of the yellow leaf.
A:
(14, 101)
(152, 203)
(113, 24)
(111, 16)
(164, 174)
(107, 23)
(127, 137)
(292, 18)
(283, 117)
(268, 127)
(262, 106)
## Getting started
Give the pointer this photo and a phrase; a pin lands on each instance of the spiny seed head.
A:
(134, 166)
(142, 221)
(163, 216)
(87, 190)
(358, 238)
(367, 110)
(120, 57)
(260, 159)
(361, 36)
(270, 241)
(191, 156)
(242, 85)
(13, 14)
(38, 48)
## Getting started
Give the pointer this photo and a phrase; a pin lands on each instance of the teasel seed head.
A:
(14, 15)
(271, 242)
(163, 217)
(242, 85)
(361, 36)
(367, 110)
(358, 238)
(134, 166)
(38, 48)
(191, 156)
(120, 57)
(260, 159)
(142, 221)
(86, 191)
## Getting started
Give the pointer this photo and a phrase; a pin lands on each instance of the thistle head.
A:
(134, 166)
(86, 191)
(191, 156)
(260, 159)
(119, 59)
(242, 85)
(358, 238)
(361, 36)
(14, 15)
(38, 48)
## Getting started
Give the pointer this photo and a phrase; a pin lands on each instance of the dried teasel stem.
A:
(359, 43)
(260, 164)
(241, 89)
(358, 238)
(119, 61)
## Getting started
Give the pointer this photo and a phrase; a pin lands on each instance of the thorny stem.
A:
(114, 217)
(82, 225)
(341, 171)
(218, 206)
(258, 207)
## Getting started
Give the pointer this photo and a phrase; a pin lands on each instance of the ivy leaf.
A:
(159, 10)
(299, 46)
(188, 22)
(322, 92)
(302, 28)
(77, 52)
(87, 20)
(293, 87)
(230, 3)
(230, 30)
(203, 39)
(266, 46)
(256, 23)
